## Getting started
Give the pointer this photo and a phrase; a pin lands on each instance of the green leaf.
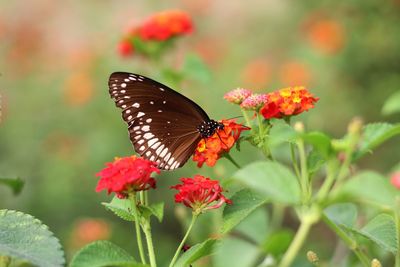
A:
(244, 203)
(342, 214)
(254, 227)
(156, 209)
(26, 238)
(382, 231)
(102, 254)
(16, 184)
(234, 252)
(375, 134)
(314, 162)
(195, 68)
(273, 180)
(121, 207)
(319, 141)
(392, 104)
(278, 242)
(196, 252)
(280, 133)
(370, 187)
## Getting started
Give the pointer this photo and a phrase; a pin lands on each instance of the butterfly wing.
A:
(162, 123)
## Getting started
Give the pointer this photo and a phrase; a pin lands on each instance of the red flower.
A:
(395, 180)
(199, 193)
(287, 102)
(127, 175)
(125, 48)
(210, 149)
(165, 25)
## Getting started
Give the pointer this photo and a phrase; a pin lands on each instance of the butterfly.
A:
(164, 126)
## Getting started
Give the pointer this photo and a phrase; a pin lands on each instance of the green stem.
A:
(304, 180)
(247, 119)
(352, 244)
(194, 217)
(294, 161)
(277, 215)
(330, 178)
(397, 218)
(137, 227)
(229, 157)
(297, 242)
(262, 133)
(5, 261)
(150, 247)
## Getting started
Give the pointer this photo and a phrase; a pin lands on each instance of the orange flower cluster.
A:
(287, 102)
(210, 149)
(158, 28)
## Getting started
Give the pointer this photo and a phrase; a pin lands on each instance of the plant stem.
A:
(229, 157)
(330, 178)
(194, 217)
(261, 132)
(247, 119)
(278, 211)
(294, 161)
(150, 247)
(297, 242)
(137, 227)
(352, 244)
(304, 181)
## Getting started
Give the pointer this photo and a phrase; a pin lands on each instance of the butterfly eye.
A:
(164, 126)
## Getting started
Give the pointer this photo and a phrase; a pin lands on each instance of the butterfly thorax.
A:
(208, 128)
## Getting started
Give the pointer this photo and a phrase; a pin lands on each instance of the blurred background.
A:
(59, 126)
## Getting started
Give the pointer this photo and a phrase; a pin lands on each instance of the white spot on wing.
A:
(171, 160)
(152, 141)
(146, 128)
(123, 85)
(142, 148)
(149, 120)
(158, 151)
(136, 105)
(148, 136)
(140, 114)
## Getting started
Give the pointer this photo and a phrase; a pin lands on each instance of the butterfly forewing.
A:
(162, 123)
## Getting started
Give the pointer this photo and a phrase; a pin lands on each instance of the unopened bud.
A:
(355, 125)
(5, 260)
(376, 263)
(299, 127)
(312, 257)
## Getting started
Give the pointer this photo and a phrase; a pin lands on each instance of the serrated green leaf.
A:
(196, 252)
(342, 214)
(375, 134)
(156, 209)
(272, 179)
(244, 203)
(392, 104)
(122, 208)
(369, 187)
(24, 237)
(103, 254)
(255, 226)
(16, 184)
(382, 231)
(319, 141)
(195, 68)
(314, 162)
(278, 242)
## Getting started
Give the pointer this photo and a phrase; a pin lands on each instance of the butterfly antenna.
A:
(221, 140)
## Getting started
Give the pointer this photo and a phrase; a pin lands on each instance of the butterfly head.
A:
(208, 128)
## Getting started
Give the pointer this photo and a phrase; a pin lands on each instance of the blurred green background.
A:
(59, 126)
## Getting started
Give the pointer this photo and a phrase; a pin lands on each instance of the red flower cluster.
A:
(287, 102)
(210, 149)
(127, 175)
(160, 27)
(199, 192)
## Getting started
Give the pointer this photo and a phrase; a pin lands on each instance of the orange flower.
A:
(326, 35)
(256, 73)
(88, 230)
(210, 149)
(287, 102)
(78, 88)
(295, 72)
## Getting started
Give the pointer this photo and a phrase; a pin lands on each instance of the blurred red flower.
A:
(326, 35)
(89, 230)
(127, 175)
(158, 28)
(256, 74)
(199, 193)
(210, 149)
(287, 102)
(167, 24)
(295, 72)
(78, 88)
(395, 179)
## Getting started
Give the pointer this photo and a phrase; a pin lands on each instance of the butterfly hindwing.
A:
(162, 123)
